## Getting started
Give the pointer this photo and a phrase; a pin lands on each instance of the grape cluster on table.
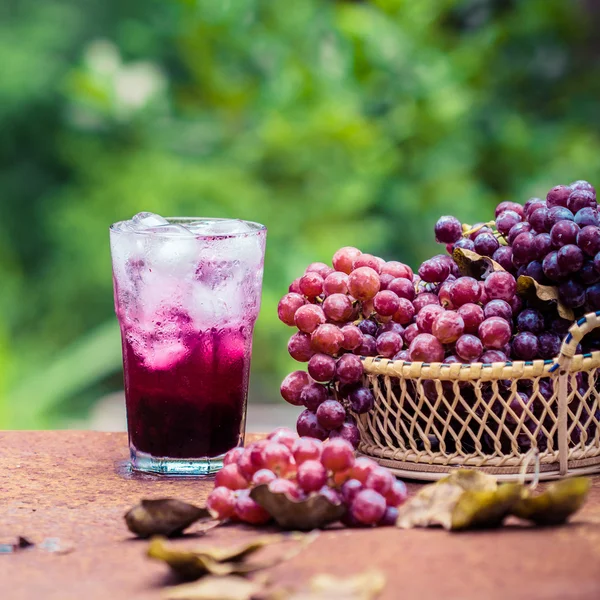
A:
(300, 467)
(366, 306)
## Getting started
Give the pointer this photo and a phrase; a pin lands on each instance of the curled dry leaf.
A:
(194, 563)
(215, 588)
(474, 265)
(531, 289)
(462, 500)
(364, 586)
(314, 512)
(165, 516)
(555, 504)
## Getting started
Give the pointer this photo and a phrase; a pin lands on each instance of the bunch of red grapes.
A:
(365, 306)
(299, 468)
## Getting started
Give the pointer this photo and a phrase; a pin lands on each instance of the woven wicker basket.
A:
(431, 418)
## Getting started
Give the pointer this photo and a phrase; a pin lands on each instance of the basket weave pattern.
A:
(429, 418)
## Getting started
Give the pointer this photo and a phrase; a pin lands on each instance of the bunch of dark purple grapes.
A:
(357, 308)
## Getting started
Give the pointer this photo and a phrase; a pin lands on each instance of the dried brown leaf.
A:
(474, 265)
(215, 588)
(463, 500)
(531, 289)
(164, 516)
(364, 586)
(556, 503)
(314, 512)
(469, 479)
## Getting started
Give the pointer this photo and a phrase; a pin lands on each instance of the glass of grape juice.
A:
(187, 293)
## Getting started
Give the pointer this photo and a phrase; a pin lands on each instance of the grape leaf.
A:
(215, 588)
(530, 288)
(165, 516)
(474, 265)
(314, 512)
(555, 504)
(462, 500)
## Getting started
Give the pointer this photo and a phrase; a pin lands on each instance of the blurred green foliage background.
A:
(332, 122)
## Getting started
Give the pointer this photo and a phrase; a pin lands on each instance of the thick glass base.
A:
(140, 461)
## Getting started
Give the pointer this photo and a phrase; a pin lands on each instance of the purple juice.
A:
(187, 297)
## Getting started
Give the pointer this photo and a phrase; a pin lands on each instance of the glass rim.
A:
(118, 227)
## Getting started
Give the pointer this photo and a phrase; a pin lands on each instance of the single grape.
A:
(299, 347)
(503, 256)
(542, 245)
(500, 285)
(311, 476)
(588, 239)
(313, 395)
(381, 480)
(506, 220)
(308, 425)
(336, 283)
(256, 453)
(349, 489)
(263, 476)
(327, 339)
(321, 367)
(582, 184)
(509, 205)
(452, 360)
(423, 299)
(469, 347)
(368, 327)
(391, 326)
(465, 244)
(277, 457)
(498, 308)
(472, 316)
(556, 214)
(362, 468)
(494, 333)
(353, 337)
(492, 356)
(552, 269)
(348, 432)
(368, 507)
(389, 344)
(233, 456)
(363, 283)
(337, 455)
(311, 285)
(444, 292)
(465, 290)
(306, 448)
(386, 303)
(291, 388)
(410, 333)
(221, 503)
(283, 435)
(287, 307)
(368, 347)
(448, 326)
(588, 273)
(523, 248)
(390, 516)
(587, 216)
(558, 196)
(331, 414)
(570, 258)
(361, 400)
(525, 345)
(592, 297)
(572, 293)
(397, 494)
(434, 270)
(384, 281)
(344, 257)
(397, 270)
(295, 287)
(349, 368)
(447, 230)
(309, 317)
(535, 270)
(486, 244)
(320, 268)
(337, 308)
(530, 320)
(563, 233)
(533, 204)
(286, 486)
(403, 288)
(548, 345)
(426, 348)
(231, 477)
(426, 317)
(538, 219)
(580, 198)
(517, 404)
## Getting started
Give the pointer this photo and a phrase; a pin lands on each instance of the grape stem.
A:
(468, 230)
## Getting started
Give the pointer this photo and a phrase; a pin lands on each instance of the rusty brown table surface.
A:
(75, 486)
